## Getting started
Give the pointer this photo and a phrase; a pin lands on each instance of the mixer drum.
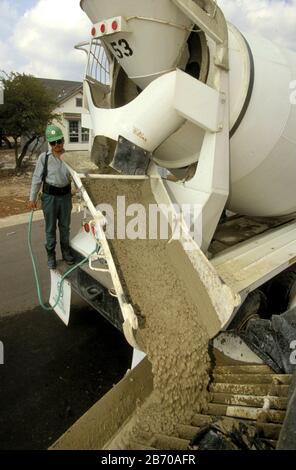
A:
(263, 148)
(262, 113)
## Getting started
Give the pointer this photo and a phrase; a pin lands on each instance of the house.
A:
(69, 95)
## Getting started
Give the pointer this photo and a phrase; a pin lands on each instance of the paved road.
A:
(18, 291)
(51, 374)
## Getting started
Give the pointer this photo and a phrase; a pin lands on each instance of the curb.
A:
(24, 218)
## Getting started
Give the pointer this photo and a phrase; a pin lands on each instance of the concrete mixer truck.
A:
(192, 123)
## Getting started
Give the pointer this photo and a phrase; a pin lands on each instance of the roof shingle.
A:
(61, 88)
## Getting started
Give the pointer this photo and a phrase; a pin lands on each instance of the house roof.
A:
(62, 89)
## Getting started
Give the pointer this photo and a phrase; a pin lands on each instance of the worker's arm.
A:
(32, 205)
(36, 182)
(73, 189)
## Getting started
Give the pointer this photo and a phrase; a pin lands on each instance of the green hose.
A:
(36, 272)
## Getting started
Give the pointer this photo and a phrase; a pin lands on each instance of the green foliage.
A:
(28, 108)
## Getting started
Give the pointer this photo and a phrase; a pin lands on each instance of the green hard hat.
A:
(53, 133)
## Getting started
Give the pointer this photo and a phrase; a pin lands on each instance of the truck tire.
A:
(279, 290)
(255, 305)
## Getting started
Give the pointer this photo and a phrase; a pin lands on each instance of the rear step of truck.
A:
(239, 392)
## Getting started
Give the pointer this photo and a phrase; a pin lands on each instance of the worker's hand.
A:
(32, 205)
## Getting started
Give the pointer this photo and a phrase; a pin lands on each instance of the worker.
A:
(55, 179)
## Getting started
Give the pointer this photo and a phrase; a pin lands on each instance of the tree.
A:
(28, 108)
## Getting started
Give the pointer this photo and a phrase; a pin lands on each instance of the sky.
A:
(38, 36)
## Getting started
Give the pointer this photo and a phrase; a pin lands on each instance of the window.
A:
(77, 134)
(84, 135)
(79, 102)
(74, 131)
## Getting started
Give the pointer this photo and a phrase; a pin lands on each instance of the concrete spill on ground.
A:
(170, 330)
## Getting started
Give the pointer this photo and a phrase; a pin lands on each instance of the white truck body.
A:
(195, 114)
(221, 131)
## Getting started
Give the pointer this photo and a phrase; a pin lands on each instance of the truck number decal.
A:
(122, 48)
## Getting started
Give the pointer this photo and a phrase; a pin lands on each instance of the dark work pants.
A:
(57, 209)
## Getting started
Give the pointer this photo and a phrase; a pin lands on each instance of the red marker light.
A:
(86, 228)
(93, 230)
(103, 28)
(114, 25)
(93, 31)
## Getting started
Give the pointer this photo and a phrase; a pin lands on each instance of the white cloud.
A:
(46, 36)
(274, 19)
(8, 15)
(43, 40)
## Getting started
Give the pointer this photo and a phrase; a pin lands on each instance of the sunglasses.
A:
(57, 142)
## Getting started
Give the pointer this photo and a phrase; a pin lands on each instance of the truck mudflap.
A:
(62, 309)
(238, 392)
